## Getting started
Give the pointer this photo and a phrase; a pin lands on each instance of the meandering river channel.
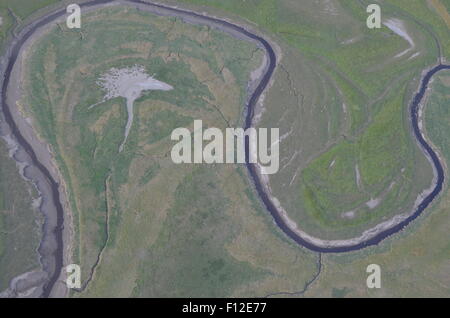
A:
(53, 257)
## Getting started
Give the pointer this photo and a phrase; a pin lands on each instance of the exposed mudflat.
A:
(398, 27)
(36, 166)
(129, 83)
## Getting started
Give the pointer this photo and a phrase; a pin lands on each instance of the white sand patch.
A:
(373, 203)
(351, 40)
(294, 176)
(348, 215)
(128, 83)
(344, 108)
(296, 153)
(398, 27)
(282, 137)
(332, 164)
(414, 55)
(358, 177)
